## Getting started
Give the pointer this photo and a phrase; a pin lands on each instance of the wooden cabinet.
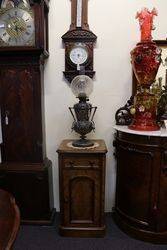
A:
(82, 188)
(141, 188)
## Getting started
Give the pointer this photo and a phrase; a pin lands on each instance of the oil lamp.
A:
(82, 112)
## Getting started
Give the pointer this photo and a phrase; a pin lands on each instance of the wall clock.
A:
(79, 42)
(25, 169)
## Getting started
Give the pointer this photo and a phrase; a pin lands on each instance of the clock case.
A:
(25, 171)
(71, 39)
(77, 35)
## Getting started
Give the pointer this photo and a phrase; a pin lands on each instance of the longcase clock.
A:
(79, 42)
(25, 170)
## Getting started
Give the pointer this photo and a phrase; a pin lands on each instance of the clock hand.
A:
(16, 29)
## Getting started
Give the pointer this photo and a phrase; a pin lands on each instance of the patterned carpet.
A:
(47, 238)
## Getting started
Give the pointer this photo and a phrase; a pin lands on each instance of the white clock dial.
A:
(79, 55)
(17, 27)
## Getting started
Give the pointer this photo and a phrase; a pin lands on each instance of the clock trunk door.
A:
(21, 140)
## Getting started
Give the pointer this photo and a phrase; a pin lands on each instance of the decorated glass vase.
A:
(145, 59)
(145, 107)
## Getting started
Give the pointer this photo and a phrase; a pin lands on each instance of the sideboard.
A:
(141, 185)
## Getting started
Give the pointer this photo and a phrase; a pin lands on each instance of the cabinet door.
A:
(81, 198)
(30, 190)
(20, 113)
(162, 205)
(134, 184)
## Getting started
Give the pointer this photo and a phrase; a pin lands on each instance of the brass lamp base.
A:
(82, 143)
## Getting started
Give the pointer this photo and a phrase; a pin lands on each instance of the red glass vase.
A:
(146, 59)
(145, 117)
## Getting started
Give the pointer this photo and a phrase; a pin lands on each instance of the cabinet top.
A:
(66, 147)
(160, 133)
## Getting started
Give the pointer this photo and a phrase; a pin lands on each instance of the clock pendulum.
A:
(79, 42)
(25, 171)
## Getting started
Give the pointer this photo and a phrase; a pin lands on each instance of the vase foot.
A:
(143, 127)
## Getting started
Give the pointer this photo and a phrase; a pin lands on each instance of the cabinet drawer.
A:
(82, 162)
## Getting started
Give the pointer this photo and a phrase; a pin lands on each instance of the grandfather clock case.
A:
(25, 170)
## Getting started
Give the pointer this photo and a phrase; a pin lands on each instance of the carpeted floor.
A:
(47, 238)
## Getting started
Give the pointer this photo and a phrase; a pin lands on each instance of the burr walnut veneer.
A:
(82, 187)
(141, 189)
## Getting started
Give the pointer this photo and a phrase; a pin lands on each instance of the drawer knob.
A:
(92, 163)
(71, 163)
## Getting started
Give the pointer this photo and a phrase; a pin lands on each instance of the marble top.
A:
(162, 132)
(99, 147)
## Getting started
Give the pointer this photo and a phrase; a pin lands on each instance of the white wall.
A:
(113, 21)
